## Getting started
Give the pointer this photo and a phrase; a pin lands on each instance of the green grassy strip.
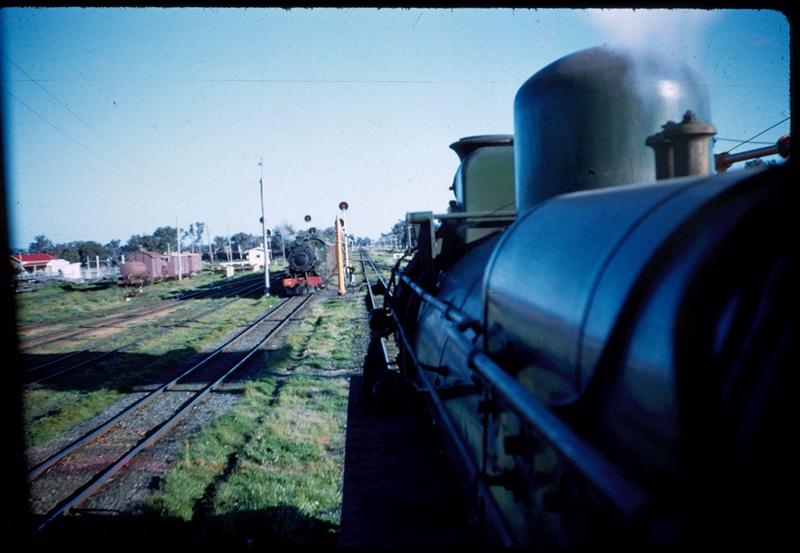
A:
(48, 414)
(159, 325)
(271, 468)
(56, 299)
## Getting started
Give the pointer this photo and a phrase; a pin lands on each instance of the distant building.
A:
(47, 265)
(255, 256)
(62, 267)
(32, 262)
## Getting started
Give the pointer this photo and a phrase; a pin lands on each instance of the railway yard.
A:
(201, 411)
(558, 311)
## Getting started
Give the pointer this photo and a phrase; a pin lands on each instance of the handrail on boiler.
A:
(628, 498)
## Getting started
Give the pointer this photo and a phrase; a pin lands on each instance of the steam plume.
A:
(676, 33)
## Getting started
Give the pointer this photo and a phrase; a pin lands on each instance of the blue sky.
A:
(118, 120)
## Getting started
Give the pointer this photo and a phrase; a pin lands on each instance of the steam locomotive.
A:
(604, 340)
(308, 265)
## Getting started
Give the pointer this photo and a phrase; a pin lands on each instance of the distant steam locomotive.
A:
(308, 265)
(607, 362)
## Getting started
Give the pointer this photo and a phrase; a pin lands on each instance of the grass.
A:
(51, 410)
(57, 300)
(49, 414)
(271, 468)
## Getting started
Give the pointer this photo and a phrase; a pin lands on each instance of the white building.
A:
(255, 256)
(62, 267)
(47, 265)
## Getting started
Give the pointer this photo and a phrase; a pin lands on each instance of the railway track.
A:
(79, 469)
(367, 261)
(381, 266)
(51, 369)
(385, 361)
(29, 344)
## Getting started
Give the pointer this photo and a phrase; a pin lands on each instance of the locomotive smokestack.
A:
(469, 144)
(682, 149)
(581, 122)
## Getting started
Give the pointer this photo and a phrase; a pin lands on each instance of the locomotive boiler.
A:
(606, 352)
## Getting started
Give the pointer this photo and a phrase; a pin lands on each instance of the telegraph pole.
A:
(178, 239)
(264, 229)
(230, 247)
(210, 256)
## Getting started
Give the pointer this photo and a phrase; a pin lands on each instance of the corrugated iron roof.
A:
(34, 257)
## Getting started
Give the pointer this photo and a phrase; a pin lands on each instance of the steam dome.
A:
(581, 122)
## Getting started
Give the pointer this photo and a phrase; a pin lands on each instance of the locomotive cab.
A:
(484, 204)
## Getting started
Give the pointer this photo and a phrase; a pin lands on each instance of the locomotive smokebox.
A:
(301, 259)
(581, 123)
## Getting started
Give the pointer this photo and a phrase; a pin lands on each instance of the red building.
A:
(32, 262)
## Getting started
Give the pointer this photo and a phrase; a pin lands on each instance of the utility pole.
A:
(178, 239)
(208, 235)
(264, 229)
(230, 247)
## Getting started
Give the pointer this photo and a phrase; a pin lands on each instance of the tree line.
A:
(194, 239)
(397, 235)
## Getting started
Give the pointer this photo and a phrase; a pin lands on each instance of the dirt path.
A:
(399, 487)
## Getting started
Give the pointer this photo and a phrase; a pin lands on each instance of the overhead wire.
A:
(76, 141)
(90, 127)
(360, 81)
(281, 81)
(286, 81)
(98, 133)
(740, 140)
(757, 135)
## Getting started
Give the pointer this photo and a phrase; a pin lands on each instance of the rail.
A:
(246, 290)
(98, 431)
(157, 432)
(365, 259)
(57, 336)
